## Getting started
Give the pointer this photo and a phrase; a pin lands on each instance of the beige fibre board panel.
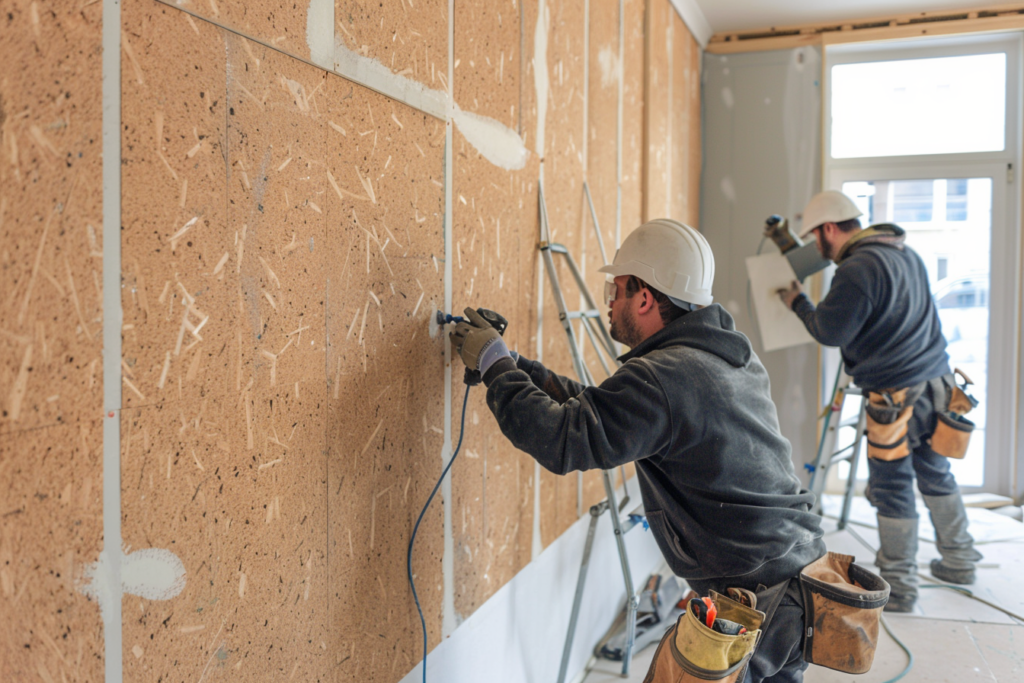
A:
(563, 194)
(230, 472)
(51, 530)
(494, 218)
(409, 38)
(50, 216)
(658, 130)
(179, 256)
(686, 141)
(386, 407)
(51, 381)
(281, 23)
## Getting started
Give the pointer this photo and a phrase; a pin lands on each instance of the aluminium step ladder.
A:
(593, 325)
(828, 455)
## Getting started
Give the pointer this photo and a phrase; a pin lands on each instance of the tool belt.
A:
(691, 651)
(952, 432)
(842, 608)
(888, 415)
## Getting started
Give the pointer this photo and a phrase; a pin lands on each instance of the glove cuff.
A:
(493, 351)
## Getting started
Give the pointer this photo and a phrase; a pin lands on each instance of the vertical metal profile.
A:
(110, 557)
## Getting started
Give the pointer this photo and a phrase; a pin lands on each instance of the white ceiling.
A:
(740, 15)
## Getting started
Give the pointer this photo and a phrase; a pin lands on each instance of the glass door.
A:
(927, 134)
(949, 224)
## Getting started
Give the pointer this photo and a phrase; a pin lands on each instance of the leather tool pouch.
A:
(691, 651)
(952, 430)
(888, 413)
(842, 608)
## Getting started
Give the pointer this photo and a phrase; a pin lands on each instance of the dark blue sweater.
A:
(691, 407)
(880, 313)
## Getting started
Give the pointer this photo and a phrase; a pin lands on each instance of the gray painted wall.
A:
(762, 155)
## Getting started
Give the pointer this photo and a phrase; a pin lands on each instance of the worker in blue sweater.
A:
(879, 311)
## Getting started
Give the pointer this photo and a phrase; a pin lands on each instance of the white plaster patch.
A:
(611, 67)
(320, 32)
(728, 98)
(540, 71)
(151, 573)
(498, 143)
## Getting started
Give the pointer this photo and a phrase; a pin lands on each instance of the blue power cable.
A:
(408, 562)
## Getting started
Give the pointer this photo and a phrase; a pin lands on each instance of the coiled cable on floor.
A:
(412, 540)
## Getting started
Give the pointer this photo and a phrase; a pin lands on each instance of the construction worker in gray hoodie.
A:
(690, 406)
(879, 311)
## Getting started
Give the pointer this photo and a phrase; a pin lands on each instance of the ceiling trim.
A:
(918, 24)
(693, 16)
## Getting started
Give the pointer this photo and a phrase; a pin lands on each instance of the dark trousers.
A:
(891, 484)
(779, 656)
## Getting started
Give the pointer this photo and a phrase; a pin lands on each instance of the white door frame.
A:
(1004, 457)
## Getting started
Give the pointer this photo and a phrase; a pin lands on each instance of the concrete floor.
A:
(952, 637)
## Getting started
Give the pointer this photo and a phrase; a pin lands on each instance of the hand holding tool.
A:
(477, 339)
(789, 295)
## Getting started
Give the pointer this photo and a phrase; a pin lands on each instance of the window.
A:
(956, 199)
(941, 268)
(912, 201)
(909, 106)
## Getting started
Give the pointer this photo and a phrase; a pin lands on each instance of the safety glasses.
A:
(611, 291)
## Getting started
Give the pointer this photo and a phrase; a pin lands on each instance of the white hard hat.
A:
(829, 206)
(671, 257)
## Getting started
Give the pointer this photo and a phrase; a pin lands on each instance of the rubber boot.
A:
(897, 561)
(955, 543)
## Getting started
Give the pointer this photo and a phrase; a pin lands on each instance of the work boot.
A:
(955, 543)
(897, 561)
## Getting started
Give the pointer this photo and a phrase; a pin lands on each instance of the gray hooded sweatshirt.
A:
(691, 407)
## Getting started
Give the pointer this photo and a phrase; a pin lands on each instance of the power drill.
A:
(495, 320)
(776, 228)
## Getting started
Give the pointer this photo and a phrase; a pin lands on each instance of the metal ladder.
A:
(828, 455)
(596, 331)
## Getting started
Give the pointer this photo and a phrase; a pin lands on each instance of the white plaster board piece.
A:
(779, 326)
(112, 320)
(693, 16)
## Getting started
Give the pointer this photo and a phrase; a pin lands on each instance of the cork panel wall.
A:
(563, 194)
(385, 211)
(632, 115)
(410, 38)
(278, 22)
(50, 215)
(495, 215)
(659, 133)
(179, 260)
(495, 211)
(51, 376)
(686, 148)
(602, 179)
(234, 480)
(52, 528)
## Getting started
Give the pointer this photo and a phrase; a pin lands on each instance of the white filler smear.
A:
(495, 141)
(320, 32)
(152, 573)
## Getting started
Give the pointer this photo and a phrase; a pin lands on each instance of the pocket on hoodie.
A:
(669, 542)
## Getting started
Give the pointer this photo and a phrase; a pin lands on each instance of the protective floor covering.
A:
(952, 637)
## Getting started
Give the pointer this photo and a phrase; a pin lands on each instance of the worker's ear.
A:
(647, 301)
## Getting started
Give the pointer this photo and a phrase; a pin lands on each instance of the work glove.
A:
(478, 344)
(790, 294)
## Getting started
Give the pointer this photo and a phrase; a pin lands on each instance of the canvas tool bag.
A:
(842, 608)
(953, 431)
(691, 651)
(888, 412)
